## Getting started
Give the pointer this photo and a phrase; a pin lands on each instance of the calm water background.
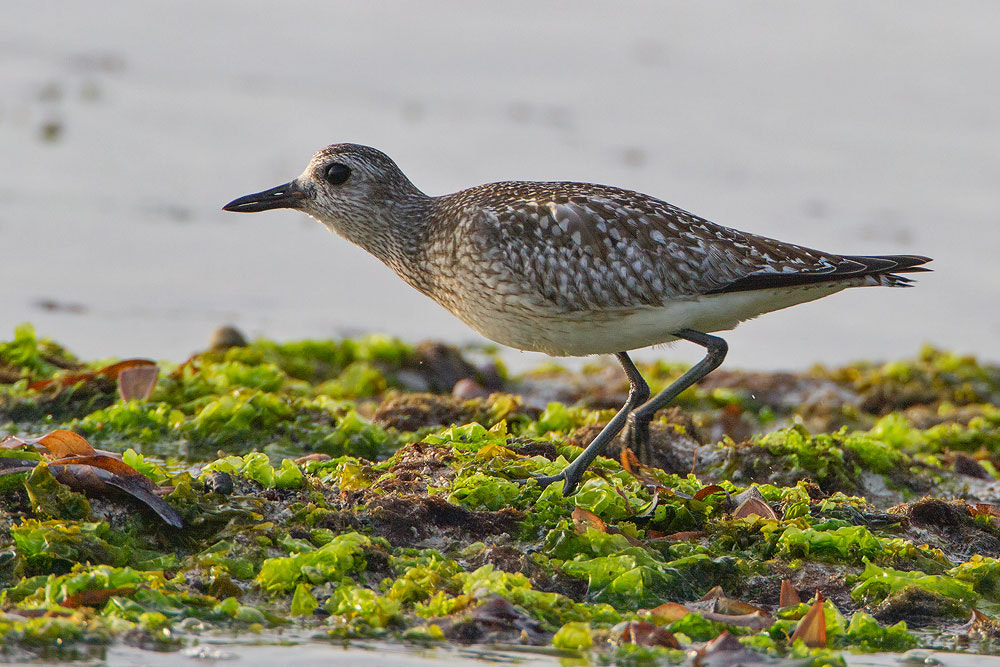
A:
(856, 127)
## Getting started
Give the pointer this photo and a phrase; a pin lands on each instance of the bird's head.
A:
(356, 191)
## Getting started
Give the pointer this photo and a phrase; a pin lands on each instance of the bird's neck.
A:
(399, 237)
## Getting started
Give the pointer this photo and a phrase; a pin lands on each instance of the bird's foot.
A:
(569, 477)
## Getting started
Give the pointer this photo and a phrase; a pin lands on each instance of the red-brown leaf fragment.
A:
(731, 607)
(706, 491)
(13, 442)
(111, 371)
(584, 519)
(643, 473)
(756, 621)
(95, 598)
(812, 628)
(984, 508)
(630, 462)
(315, 456)
(137, 382)
(674, 611)
(714, 593)
(62, 443)
(754, 507)
(716, 602)
(670, 611)
(643, 634)
(789, 596)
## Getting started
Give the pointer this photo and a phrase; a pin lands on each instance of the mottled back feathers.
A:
(590, 247)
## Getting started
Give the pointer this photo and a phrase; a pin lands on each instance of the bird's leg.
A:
(637, 395)
(637, 434)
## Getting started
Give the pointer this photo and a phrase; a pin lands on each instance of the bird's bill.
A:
(288, 195)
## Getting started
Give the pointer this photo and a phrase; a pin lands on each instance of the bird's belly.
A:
(607, 331)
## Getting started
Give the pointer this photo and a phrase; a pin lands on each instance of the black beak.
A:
(284, 196)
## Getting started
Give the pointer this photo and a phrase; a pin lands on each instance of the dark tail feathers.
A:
(882, 269)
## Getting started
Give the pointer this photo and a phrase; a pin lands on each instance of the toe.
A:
(544, 480)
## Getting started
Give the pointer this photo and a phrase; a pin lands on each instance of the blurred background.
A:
(855, 127)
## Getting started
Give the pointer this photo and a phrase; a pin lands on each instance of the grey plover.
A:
(571, 269)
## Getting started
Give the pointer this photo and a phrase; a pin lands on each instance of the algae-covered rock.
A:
(340, 488)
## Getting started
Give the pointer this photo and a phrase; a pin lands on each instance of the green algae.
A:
(330, 562)
(934, 375)
(257, 467)
(575, 636)
(32, 358)
(846, 544)
(868, 635)
(877, 583)
(50, 499)
(413, 533)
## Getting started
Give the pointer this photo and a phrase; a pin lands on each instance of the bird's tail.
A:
(884, 270)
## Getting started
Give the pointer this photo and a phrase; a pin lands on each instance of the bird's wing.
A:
(585, 247)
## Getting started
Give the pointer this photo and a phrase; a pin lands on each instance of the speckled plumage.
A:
(572, 268)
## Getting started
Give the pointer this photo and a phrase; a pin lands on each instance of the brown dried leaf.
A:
(84, 478)
(496, 612)
(628, 538)
(94, 474)
(977, 509)
(642, 472)
(725, 651)
(724, 643)
(731, 607)
(754, 507)
(670, 611)
(316, 456)
(976, 618)
(13, 442)
(95, 598)
(62, 443)
(789, 596)
(756, 621)
(721, 607)
(706, 491)
(57, 444)
(630, 462)
(137, 382)
(812, 628)
(644, 634)
(110, 464)
(111, 372)
(750, 492)
(584, 519)
(714, 593)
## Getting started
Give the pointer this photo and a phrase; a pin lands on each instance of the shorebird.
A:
(571, 269)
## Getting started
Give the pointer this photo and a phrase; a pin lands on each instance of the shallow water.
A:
(269, 652)
(389, 654)
(358, 654)
(848, 126)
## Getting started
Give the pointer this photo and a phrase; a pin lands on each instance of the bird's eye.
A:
(337, 173)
